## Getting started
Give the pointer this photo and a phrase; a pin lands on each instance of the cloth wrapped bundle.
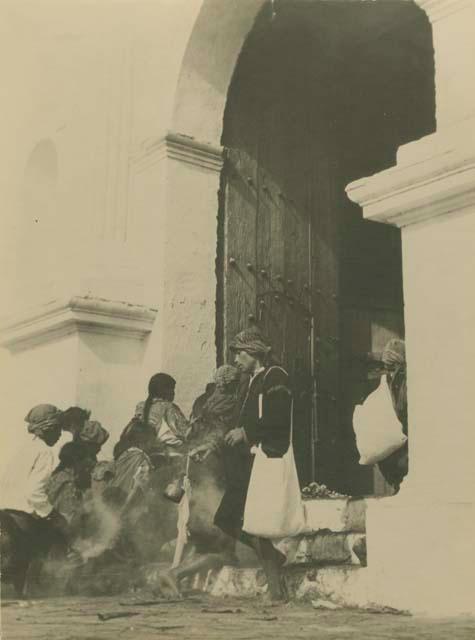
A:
(378, 431)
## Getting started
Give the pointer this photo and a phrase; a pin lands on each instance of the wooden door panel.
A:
(240, 245)
(327, 332)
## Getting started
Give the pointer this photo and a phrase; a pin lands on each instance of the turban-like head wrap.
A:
(394, 358)
(226, 374)
(43, 419)
(394, 354)
(94, 433)
(252, 342)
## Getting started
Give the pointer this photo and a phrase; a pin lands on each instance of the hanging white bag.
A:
(274, 506)
(378, 431)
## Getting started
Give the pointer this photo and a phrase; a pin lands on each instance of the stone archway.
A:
(432, 177)
(193, 160)
(202, 92)
(208, 65)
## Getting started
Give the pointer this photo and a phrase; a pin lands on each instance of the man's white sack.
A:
(377, 429)
(274, 508)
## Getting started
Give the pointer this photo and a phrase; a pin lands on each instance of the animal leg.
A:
(19, 580)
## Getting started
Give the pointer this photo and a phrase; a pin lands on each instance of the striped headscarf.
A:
(394, 358)
(42, 419)
(226, 374)
(93, 432)
(394, 354)
(251, 341)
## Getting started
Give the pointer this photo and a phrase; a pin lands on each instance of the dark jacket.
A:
(395, 467)
(269, 426)
(271, 430)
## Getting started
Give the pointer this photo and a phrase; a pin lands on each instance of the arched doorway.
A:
(322, 94)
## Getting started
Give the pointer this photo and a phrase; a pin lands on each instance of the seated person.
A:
(201, 401)
(218, 414)
(159, 411)
(132, 457)
(23, 485)
(69, 481)
(30, 527)
(76, 421)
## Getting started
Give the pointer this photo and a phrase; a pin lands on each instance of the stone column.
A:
(419, 542)
(176, 182)
(79, 350)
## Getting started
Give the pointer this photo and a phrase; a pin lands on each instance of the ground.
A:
(207, 618)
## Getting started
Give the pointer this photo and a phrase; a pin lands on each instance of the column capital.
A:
(438, 9)
(58, 318)
(434, 176)
(178, 147)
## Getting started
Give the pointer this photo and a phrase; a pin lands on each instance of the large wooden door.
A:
(280, 232)
(312, 106)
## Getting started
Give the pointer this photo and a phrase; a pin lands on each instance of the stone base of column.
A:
(420, 554)
(420, 542)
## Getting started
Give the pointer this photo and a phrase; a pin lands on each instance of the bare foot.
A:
(168, 585)
(273, 600)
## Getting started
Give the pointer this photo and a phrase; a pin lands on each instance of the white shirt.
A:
(23, 484)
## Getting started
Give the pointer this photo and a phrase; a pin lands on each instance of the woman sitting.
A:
(132, 459)
(76, 421)
(159, 411)
(218, 414)
(158, 428)
(69, 481)
(149, 453)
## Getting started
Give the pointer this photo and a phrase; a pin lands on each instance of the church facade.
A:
(173, 172)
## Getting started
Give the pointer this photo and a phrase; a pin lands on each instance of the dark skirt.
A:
(237, 468)
(394, 468)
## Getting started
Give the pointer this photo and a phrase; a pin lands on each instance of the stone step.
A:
(344, 585)
(325, 561)
(337, 515)
(335, 534)
(326, 548)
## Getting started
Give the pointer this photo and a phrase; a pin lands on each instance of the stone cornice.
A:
(180, 148)
(437, 9)
(77, 314)
(434, 177)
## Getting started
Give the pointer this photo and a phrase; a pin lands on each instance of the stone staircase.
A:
(327, 561)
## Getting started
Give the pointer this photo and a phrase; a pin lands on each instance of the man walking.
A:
(265, 419)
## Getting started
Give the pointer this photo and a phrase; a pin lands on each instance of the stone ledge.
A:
(434, 176)
(63, 317)
(335, 515)
(322, 549)
(175, 146)
(438, 9)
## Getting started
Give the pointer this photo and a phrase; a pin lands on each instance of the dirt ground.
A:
(209, 618)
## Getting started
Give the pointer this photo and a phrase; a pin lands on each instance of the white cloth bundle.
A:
(274, 507)
(377, 429)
